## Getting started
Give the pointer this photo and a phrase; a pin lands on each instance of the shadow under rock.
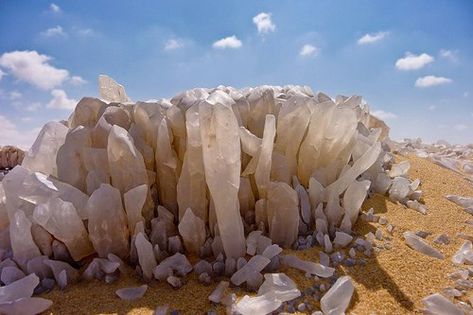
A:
(372, 275)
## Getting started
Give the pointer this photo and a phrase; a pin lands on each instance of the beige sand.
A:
(394, 281)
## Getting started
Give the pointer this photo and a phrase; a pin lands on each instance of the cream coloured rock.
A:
(111, 91)
(263, 167)
(191, 187)
(167, 168)
(60, 218)
(192, 230)
(21, 239)
(283, 213)
(41, 157)
(221, 151)
(107, 223)
(134, 200)
(127, 167)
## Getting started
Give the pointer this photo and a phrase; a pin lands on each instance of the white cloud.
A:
(2, 74)
(77, 80)
(14, 95)
(26, 119)
(431, 80)
(308, 50)
(85, 32)
(33, 107)
(413, 62)
(33, 68)
(54, 8)
(227, 42)
(173, 44)
(451, 55)
(381, 114)
(460, 127)
(264, 23)
(54, 31)
(466, 94)
(432, 107)
(372, 38)
(10, 135)
(61, 101)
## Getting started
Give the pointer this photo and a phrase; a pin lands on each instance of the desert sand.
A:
(394, 280)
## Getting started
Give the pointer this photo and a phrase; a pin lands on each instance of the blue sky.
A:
(411, 60)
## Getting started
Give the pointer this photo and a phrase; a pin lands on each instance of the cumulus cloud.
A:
(263, 23)
(381, 114)
(33, 68)
(451, 55)
(173, 44)
(308, 50)
(56, 31)
(10, 135)
(413, 62)
(372, 38)
(431, 80)
(77, 80)
(228, 42)
(54, 8)
(2, 74)
(460, 127)
(60, 100)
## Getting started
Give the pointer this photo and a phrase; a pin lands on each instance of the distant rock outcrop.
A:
(10, 157)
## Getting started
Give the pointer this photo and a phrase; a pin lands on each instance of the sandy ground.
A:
(394, 280)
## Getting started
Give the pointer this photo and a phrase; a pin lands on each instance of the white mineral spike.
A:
(337, 299)
(111, 91)
(191, 186)
(22, 242)
(307, 266)
(304, 204)
(292, 123)
(134, 201)
(464, 254)
(279, 286)
(354, 197)
(60, 218)
(465, 202)
(107, 226)
(419, 244)
(437, 304)
(145, 256)
(26, 306)
(263, 168)
(63, 272)
(400, 169)
(19, 289)
(258, 305)
(221, 151)
(86, 112)
(132, 293)
(255, 265)
(400, 189)
(167, 167)
(283, 213)
(192, 231)
(217, 294)
(41, 157)
(316, 192)
(11, 274)
(126, 163)
(70, 165)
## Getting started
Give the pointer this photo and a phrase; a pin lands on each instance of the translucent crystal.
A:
(145, 256)
(217, 294)
(25, 306)
(437, 304)
(337, 299)
(283, 213)
(307, 266)
(19, 289)
(111, 91)
(221, 151)
(107, 225)
(420, 245)
(60, 218)
(192, 230)
(132, 293)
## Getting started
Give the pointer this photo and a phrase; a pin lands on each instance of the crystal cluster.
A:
(232, 175)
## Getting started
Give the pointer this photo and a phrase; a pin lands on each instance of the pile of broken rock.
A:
(231, 176)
